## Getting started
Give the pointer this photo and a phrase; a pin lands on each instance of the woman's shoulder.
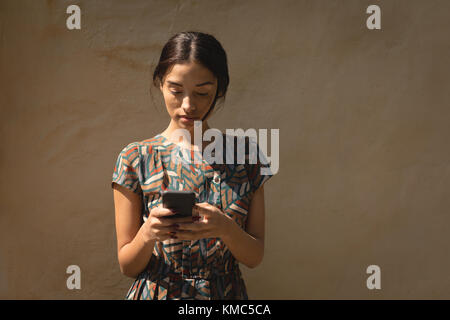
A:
(145, 146)
(152, 143)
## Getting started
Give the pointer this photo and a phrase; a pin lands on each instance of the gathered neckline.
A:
(165, 140)
(177, 145)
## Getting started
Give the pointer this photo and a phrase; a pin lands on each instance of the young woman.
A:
(196, 257)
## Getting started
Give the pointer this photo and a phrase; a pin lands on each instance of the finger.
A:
(166, 233)
(169, 221)
(202, 205)
(205, 208)
(159, 212)
(166, 230)
(167, 236)
(195, 211)
(198, 226)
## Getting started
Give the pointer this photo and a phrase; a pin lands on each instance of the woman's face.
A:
(189, 90)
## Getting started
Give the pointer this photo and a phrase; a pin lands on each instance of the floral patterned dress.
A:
(200, 269)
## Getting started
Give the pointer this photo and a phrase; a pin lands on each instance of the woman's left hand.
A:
(210, 222)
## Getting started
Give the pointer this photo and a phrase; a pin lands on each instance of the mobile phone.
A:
(181, 201)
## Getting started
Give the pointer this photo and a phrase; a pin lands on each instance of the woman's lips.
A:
(187, 119)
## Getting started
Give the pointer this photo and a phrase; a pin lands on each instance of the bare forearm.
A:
(135, 255)
(246, 248)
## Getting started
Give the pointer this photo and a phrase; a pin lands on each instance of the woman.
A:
(196, 257)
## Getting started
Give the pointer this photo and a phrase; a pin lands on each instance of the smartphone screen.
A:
(181, 201)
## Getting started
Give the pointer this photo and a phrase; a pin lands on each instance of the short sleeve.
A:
(259, 172)
(126, 169)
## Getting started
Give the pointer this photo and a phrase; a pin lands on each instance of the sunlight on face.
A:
(189, 90)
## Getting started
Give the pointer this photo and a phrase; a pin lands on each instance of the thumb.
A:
(205, 209)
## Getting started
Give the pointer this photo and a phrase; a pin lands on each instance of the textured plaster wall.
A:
(364, 138)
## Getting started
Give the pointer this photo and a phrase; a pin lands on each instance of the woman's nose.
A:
(187, 105)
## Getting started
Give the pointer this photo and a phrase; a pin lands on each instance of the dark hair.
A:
(197, 47)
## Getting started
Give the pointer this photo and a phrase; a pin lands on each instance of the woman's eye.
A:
(200, 94)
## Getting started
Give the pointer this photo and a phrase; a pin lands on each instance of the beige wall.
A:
(364, 128)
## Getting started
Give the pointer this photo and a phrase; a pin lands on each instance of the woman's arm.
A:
(135, 242)
(132, 251)
(248, 246)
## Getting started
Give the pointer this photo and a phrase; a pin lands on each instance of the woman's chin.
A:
(186, 123)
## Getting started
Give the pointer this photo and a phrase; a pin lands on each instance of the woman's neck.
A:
(175, 138)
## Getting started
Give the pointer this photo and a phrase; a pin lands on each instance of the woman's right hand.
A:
(159, 226)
